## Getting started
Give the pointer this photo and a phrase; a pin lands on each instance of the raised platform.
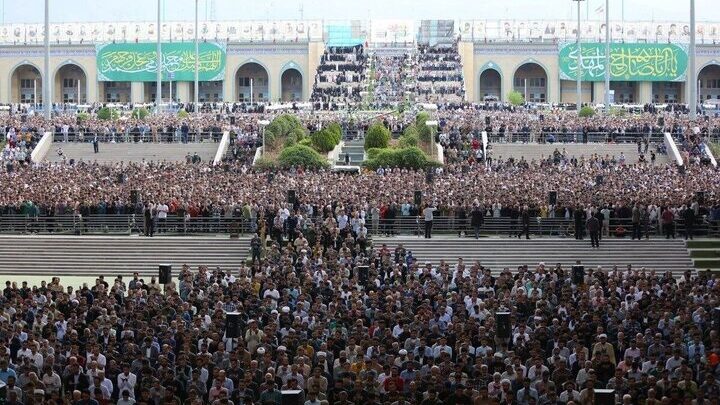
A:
(537, 151)
(497, 253)
(133, 152)
(116, 255)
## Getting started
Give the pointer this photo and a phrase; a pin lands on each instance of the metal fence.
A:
(135, 137)
(403, 225)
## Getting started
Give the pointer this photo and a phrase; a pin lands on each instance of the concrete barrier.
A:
(710, 155)
(672, 149)
(334, 154)
(222, 148)
(42, 148)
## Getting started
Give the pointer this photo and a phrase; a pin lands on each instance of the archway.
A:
(490, 84)
(252, 78)
(70, 84)
(291, 85)
(26, 84)
(530, 79)
(709, 82)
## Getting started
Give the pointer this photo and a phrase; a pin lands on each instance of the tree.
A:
(377, 136)
(516, 98)
(586, 112)
(324, 140)
(407, 158)
(425, 133)
(300, 155)
(284, 130)
(140, 113)
(410, 137)
(106, 113)
(82, 116)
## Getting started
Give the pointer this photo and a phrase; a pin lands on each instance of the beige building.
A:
(277, 71)
(497, 68)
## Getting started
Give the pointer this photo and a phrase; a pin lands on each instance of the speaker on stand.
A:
(502, 325)
(165, 274)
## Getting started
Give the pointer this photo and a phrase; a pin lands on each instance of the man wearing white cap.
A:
(603, 347)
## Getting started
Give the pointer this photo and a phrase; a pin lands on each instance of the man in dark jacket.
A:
(525, 220)
(476, 218)
(689, 218)
(593, 226)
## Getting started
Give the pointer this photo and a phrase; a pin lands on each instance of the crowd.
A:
(19, 141)
(339, 78)
(439, 74)
(391, 79)
(324, 312)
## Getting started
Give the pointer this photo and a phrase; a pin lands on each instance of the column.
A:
(137, 92)
(183, 92)
(645, 92)
(598, 92)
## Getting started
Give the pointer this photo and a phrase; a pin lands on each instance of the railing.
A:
(572, 137)
(130, 137)
(125, 224)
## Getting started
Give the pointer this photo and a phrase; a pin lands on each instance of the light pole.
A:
(46, 87)
(578, 71)
(197, 56)
(692, 74)
(607, 56)
(158, 91)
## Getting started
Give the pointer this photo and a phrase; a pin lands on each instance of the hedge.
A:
(377, 136)
(324, 140)
(182, 113)
(106, 113)
(408, 158)
(300, 155)
(140, 113)
(425, 133)
(586, 112)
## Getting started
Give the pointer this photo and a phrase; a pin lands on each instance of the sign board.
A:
(138, 62)
(628, 62)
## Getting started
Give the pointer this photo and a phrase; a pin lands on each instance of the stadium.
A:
(380, 211)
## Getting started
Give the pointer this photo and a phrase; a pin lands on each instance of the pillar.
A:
(466, 49)
(137, 92)
(183, 92)
(645, 93)
(598, 92)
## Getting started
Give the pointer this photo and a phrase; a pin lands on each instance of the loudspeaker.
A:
(165, 273)
(542, 118)
(290, 397)
(418, 197)
(232, 325)
(502, 325)
(232, 120)
(134, 197)
(716, 319)
(700, 195)
(552, 197)
(291, 196)
(429, 175)
(599, 179)
(270, 177)
(121, 178)
(604, 397)
(218, 117)
(487, 120)
(661, 121)
(578, 274)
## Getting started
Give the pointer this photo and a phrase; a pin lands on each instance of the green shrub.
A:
(377, 136)
(264, 163)
(410, 137)
(516, 98)
(182, 113)
(83, 116)
(281, 128)
(306, 142)
(300, 155)
(324, 140)
(586, 112)
(425, 133)
(336, 130)
(140, 113)
(106, 113)
(408, 158)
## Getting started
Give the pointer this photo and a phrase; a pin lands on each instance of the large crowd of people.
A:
(439, 74)
(340, 76)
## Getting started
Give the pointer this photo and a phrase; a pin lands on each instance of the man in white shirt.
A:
(162, 211)
(428, 214)
(126, 381)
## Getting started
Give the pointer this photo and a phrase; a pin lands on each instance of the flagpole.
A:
(158, 92)
(607, 56)
(46, 86)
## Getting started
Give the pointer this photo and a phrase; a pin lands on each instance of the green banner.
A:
(628, 62)
(138, 62)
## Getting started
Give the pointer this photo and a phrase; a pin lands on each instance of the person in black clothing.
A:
(255, 246)
(514, 213)
(579, 215)
(347, 158)
(525, 221)
(593, 227)
(148, 214)
(689, 219)
(96, 146)
(476, 218)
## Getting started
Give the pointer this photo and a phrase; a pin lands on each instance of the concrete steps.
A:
(537, 151)
(356, 150)
(116, 255)
(133, 152)
(497, 253)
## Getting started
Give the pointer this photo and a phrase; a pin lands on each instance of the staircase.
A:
(356, 149)
(497, 253)
(705, 254)
(112, 256)
(539, 151)
(133, 152)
